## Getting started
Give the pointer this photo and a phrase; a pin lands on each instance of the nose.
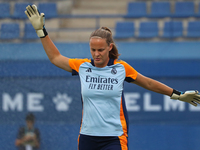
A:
(96, 53)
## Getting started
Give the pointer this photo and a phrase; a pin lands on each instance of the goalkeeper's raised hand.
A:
(37, 20)
(191, 97)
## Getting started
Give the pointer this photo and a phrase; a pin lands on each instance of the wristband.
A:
(42, 33)
(176, 94)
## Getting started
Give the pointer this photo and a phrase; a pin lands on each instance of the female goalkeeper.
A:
(104, 120)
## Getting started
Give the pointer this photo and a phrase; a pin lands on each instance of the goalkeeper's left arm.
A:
(191, 97)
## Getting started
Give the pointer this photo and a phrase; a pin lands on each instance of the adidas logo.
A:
(89, 70)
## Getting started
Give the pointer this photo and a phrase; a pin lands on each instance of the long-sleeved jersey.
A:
(104, 111)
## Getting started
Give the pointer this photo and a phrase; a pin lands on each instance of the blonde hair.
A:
(105, 33)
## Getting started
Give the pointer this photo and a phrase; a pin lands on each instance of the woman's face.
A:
(100, 51)
(29, 124)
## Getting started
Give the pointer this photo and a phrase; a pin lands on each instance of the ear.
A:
(111, 46)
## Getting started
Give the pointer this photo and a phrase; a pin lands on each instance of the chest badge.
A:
(114, 71)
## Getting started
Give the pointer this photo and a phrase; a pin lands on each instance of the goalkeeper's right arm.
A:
(38, 21)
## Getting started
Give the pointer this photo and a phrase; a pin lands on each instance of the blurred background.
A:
(159, 38)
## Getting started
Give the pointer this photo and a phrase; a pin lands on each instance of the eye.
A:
(100, 50)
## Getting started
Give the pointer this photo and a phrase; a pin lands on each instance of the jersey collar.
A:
(110, 62)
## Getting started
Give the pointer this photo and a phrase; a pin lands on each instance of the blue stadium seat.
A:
(173, 29)
(148, 29)
(198, 13)
(160, 9)
(124, 30)
(10, 31)
(193, 29)
(29, 32)
(136, 9)
(4, 10)
(49, 9)
(19, 9)
(184, 9)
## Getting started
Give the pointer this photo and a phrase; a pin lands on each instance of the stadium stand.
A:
(172, 29)
(136, 9)
(29, 32)
(184, 9)
(198, 12)
(10, 31)
(4, 10)
(193, 30)
(160, 9)
(50, 9)
(19, 9)
(96, 7)
(124, 29)
(148, 29)
(69, 19)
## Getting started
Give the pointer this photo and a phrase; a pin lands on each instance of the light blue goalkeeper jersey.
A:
(104, 111)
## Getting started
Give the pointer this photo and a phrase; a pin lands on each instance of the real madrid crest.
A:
(114, 71)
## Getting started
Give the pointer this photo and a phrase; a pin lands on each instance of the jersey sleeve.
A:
(131, 73)
(75, 64)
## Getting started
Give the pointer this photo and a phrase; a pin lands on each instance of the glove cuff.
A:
(42, 33)
(175, 94)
